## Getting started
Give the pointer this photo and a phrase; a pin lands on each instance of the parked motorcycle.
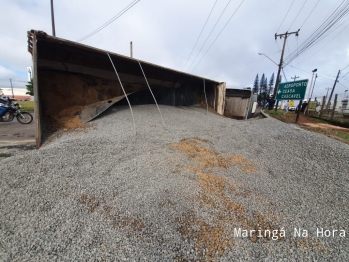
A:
(13, 111)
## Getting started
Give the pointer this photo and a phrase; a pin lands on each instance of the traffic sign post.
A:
(292, 90)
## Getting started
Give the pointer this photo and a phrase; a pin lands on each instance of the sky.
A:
(165, 33)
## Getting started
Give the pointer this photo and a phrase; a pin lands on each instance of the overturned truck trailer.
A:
(73, 83)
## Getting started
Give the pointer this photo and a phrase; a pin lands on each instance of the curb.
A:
(265, 114)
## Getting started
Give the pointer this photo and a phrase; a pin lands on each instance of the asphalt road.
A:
(15, 133)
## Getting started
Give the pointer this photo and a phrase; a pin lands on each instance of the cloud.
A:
(165, 33)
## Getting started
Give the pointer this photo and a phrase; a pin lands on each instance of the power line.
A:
(283, 72)
(288, 48)
(110, 21)
(297, 14)
(322, 31)
(285, 16)
(310, 14)
(330, 79)
(200, 34)
(344, 67)
(344, 75)
(342, 85)
(209, 34)
(219, 33)
(326, 43)
(318, 33)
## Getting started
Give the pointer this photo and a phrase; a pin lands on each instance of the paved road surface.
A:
(14, 133)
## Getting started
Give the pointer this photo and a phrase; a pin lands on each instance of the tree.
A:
(30, 88)
(255, 85)
(261, 83)
(265, 90)
(271, 83)
(260, 97)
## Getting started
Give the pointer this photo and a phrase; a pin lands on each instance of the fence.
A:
(326, 111)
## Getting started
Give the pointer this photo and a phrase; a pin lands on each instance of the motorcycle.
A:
(13, 111)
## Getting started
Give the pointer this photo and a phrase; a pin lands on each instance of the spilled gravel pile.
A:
(204, 187)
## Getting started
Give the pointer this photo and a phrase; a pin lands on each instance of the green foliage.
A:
(256, 85)
(30, 88)
(27, 105)
(271, 83)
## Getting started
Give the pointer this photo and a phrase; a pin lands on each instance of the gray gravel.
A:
(105, 194)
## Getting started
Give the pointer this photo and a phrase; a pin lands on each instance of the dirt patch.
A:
(90, 202)
(314, 124)
(212, 240)
(114, 218)
(311, 244)
(327, 126)
(198, 151)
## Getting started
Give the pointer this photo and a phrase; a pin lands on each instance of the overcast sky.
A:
(164, 33)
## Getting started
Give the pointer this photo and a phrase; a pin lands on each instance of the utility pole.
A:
(295, 77)
(327, 92)
(53, 19)
(311, 84)
(334, 85)
(13, 96)
(281, 61)
(131, 49)
(313, 87)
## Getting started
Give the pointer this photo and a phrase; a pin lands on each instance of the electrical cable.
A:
(327, 27)
(333, 18)
(205, 97)
(330, 79)
(285, 16)
(219, 34)
(326, 43)
(342, 85)
(297, 15)
(288, 48)
(163, 123)
(200, 34)
(209, 35)
(309, 14)
(313, 36)
(344, 75)
(109, 21)
(122, 87)
(344, 67)
(283, 72)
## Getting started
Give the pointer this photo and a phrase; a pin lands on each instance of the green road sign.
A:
(292, 90)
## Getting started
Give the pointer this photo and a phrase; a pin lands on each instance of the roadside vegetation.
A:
(27, 105)
(330, 128)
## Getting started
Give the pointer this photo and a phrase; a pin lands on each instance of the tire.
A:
(11, 118)
(25, 118)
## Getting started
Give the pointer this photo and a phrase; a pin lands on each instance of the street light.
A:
(312, 90)
(268, 58)
(273, 62)
(311, 83)
(53, 19)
